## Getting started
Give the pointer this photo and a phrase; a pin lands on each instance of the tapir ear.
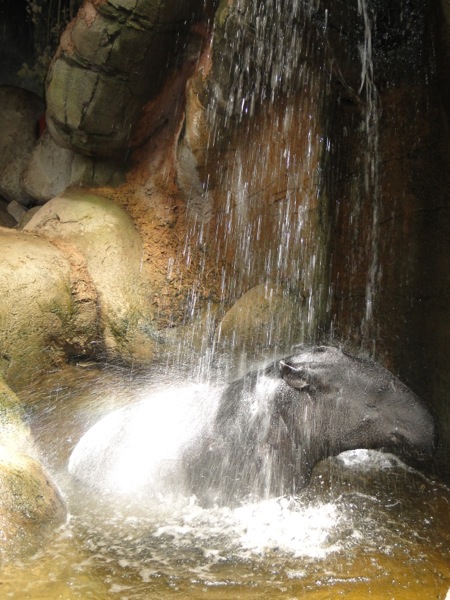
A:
(296, 378)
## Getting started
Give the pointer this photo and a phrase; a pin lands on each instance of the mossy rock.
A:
(30, 504)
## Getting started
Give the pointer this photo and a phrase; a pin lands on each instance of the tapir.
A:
(273, 425)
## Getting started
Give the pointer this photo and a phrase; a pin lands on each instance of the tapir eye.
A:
(294, 377)
(370, 404)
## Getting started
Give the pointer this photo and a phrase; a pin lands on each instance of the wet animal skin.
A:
(273, 425)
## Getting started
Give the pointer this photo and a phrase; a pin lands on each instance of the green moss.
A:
(222, 14)
(11, 412)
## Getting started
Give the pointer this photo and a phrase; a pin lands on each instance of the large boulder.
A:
(47, 311)
(30, 503)
(20, 111)
(92, 229)
(263, 318)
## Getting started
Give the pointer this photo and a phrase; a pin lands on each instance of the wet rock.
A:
(197, 335)
(13, 431)
(260, 319)
(51, 169)
(107, 67)
(30, 503)
(20, 112)
(104, 238)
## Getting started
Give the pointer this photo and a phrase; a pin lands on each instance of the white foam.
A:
(278, 525)
(296, 530)
(366, 460)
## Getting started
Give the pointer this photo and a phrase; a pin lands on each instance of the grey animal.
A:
(273, 425)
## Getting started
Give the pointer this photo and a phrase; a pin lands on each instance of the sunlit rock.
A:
(44, 315)
(30, 504)
(101, 236)
(13, 431)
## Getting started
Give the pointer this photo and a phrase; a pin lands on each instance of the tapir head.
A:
(347, 403)
(273, 425)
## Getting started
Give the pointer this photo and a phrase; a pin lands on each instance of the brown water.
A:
(367, 527)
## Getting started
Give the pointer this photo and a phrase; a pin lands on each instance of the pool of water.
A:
(366, 527)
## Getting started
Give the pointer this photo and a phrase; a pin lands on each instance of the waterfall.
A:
(371, 166)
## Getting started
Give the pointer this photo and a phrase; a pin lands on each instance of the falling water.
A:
(371, 160)
(261, 209)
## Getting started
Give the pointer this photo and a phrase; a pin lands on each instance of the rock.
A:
(47, 173)
(30, 504)
(46, 313)
(197, 335)
(108, 66)
(20, 112)
(13, 431)
(78, 293)
(96, 171)
(104, 236)
(16, 210)
(27, 216)
(6, 220)
(51, 169)
(261, 317)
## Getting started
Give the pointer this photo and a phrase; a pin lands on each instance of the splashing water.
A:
(136, 451)
(131, 462)
(363, 525)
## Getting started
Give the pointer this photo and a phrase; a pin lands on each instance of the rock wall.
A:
(390, 248)
(113, 59)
